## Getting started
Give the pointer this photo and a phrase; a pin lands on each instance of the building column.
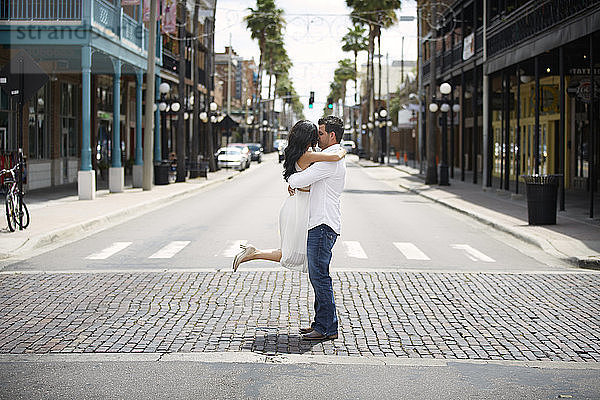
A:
(592, 141)
(116, 174)
(536, 134)
(138, 165)
(475, 138)
(462, 124)
(486, 176)
(157, 133)
(86, 177)
(561, 128)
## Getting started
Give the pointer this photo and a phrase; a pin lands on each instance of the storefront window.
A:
(68, 118)
(39, 135)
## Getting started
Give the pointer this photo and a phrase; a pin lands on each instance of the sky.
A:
(313, 41)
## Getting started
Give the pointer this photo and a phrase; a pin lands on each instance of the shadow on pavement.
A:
(272, 342)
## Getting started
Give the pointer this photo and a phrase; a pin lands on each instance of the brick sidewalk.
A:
(398, 314)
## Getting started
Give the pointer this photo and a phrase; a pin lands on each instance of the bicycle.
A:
(14, 216)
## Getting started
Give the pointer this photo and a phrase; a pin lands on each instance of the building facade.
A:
(524, 75)
(82, 120)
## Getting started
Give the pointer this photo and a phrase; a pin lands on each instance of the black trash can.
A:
(542, 191)
(161, 173)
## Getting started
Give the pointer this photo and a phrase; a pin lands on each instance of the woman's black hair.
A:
(303, 134)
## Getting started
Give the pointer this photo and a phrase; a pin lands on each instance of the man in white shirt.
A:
(326, 180)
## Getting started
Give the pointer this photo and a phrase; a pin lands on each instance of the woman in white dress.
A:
(293, 217)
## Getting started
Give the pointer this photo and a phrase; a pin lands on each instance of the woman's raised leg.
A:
(249, 253)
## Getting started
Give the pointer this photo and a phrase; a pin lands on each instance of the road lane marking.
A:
(472, 253)
(171, 249)
(233, 247)
(354, 249)
(109, 251)
(410, 251)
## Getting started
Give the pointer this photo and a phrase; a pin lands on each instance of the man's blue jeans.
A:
(320, 242)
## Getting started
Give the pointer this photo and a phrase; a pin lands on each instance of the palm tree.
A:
(355, 41)
(265, 23)
(335, 93)
(376, 14)
(343, 73)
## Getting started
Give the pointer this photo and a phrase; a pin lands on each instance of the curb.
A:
(85, 228)
(544, 245)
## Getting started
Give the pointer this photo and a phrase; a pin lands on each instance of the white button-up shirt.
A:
(326, 180)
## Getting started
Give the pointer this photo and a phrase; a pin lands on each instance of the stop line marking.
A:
(109, 251)
(353, 249)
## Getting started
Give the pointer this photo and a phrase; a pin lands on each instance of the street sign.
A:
(34, 78)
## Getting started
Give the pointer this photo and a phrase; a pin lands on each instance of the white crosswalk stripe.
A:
(410, 251)
(472, 253)
(109, 251)
(232, 248)
(171, 249)
(354, 249)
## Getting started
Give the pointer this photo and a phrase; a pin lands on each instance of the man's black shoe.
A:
(314, 335)
(304, 331)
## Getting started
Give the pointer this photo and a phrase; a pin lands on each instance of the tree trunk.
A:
(355, 78)
(371, 81)
(210, 83)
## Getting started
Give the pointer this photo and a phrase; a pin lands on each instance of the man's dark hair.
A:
(333, 124)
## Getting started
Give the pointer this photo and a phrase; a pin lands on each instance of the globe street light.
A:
(444, 107)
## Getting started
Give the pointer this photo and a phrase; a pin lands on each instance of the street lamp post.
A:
(383, 122)
(213, 116)
(444, 105)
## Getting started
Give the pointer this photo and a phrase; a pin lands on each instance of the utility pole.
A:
(180, 146)
(402, 63)
(431, 175)
(149, 112)
(387, 106)
(229, 88)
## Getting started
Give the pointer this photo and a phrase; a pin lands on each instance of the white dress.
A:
(293, 230)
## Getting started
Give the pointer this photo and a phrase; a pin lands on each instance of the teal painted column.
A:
(86, 86)
(116, 139)
(157, 149)
(139, 156)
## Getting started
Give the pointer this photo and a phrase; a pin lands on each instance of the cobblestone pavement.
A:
(397, 314)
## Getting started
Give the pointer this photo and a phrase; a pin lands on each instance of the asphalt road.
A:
(101, 379)
(384, 227)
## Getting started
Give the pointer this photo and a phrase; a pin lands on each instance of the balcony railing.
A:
(132, 31)
(531, 20)
(48, 10)
(105, 15)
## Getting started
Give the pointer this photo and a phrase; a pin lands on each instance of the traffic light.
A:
(311, 99)
(330, 103)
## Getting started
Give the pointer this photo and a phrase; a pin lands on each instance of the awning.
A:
(229, 122)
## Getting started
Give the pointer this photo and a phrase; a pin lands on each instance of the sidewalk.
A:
(57, 215)
(575, 238)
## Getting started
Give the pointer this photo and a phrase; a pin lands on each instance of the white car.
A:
(349, 146)
(231, 157)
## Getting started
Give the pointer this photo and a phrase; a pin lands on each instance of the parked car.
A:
(349, 146)
(280, 145)
(245, 151)
(256, 151)
(231, 157)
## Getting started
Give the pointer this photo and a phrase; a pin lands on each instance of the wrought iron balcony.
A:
(45, 10)
(531, 19)
(102, 15)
